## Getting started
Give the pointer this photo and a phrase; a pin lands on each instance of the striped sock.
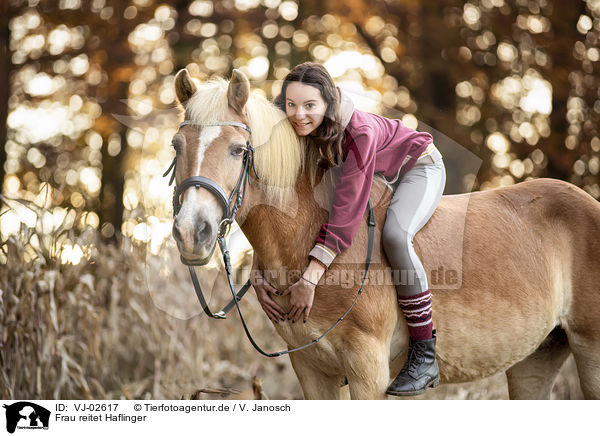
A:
(417, 311)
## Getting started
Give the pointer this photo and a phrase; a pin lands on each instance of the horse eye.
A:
(237, 150)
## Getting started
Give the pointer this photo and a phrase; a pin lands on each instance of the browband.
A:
(220, 123)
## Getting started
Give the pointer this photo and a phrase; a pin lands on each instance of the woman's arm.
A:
(351, 196)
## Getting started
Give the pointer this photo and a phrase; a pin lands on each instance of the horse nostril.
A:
(176, 233)
(203, 233)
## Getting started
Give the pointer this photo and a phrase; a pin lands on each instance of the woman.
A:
(365, 144)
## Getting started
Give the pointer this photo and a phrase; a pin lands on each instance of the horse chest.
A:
(323, 355)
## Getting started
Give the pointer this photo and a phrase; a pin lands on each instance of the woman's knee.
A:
(395, 240)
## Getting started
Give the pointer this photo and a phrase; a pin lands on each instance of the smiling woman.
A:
(304, 107)
(311, 101)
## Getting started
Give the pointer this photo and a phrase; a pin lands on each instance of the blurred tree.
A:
(111, 58)
(187, 37)
(6, 12)
(575, 80)
(560, 43)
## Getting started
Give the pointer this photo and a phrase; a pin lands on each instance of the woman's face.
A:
(304, 107)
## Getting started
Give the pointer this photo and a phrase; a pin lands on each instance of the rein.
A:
(230, 209)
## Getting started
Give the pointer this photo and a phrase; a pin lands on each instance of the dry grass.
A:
(94, 330)
(105, 329)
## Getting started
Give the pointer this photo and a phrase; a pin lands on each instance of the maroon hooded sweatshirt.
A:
(373, 144)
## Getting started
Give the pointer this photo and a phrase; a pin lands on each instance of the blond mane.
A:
(280, 153)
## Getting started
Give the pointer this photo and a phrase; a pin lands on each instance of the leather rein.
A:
(230, 205)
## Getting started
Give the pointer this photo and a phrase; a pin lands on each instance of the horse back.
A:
(518, 253)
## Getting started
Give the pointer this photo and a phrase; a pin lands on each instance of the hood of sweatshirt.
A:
(346, 108)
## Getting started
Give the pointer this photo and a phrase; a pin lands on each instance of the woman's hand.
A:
(263, 290)
(302, 293)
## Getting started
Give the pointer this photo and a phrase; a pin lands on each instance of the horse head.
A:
(210, 144)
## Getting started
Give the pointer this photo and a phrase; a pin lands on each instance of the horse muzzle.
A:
(193, 260)
(201, 261)
(196, 243)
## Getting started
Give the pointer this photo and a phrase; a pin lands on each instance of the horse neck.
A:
(281, 236)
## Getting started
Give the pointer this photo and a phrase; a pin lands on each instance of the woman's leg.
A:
(416, 197)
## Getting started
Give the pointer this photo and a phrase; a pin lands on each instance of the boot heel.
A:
(435, 383)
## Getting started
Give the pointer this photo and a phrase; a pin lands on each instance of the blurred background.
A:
(87, 112)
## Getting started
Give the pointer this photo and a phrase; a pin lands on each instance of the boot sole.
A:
(432, 384)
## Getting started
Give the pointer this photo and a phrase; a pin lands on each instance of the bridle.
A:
(230, 205)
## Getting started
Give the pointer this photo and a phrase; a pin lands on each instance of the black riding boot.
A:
(420, 370)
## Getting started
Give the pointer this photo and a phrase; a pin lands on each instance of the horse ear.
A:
(238, 91)
(184, 86)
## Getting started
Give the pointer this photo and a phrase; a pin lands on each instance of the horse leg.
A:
(368, 372)
(533, 377)
(586, 351)
(316, 385)
(588, 367)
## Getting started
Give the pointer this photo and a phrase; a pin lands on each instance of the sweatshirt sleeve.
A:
(350, 199)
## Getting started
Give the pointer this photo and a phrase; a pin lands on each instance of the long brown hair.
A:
(328, 138)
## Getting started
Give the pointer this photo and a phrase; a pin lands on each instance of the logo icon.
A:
(26, 415)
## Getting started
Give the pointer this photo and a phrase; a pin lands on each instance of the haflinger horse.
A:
(530, 291)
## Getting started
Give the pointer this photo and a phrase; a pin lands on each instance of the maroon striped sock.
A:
(417, 311)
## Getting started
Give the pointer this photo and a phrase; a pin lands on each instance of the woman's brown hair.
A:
(328, 138)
